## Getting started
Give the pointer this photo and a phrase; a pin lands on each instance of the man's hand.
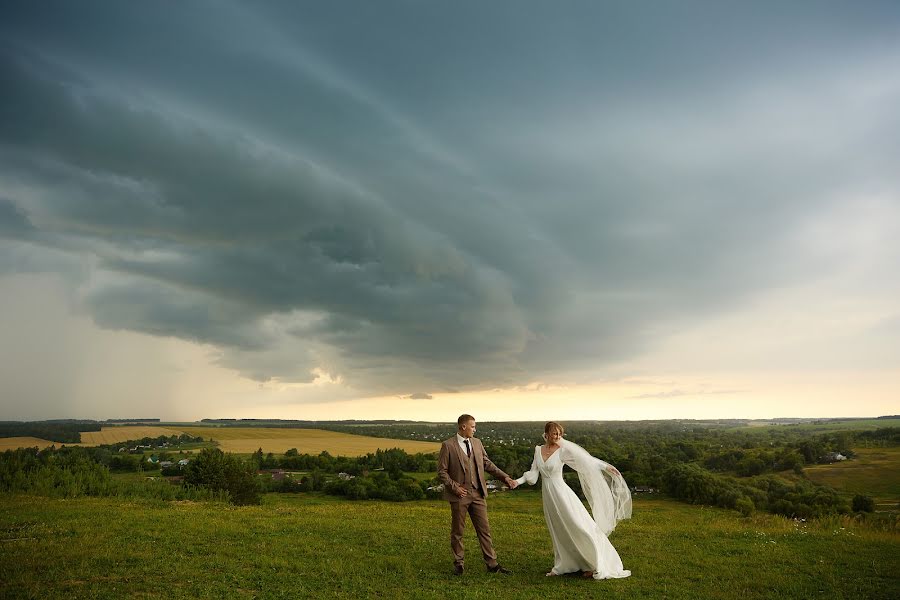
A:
(512, 483)
(461, 492)
(612, 470)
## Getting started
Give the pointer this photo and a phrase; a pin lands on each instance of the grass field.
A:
(822, 427)
(875, 472)
(304, 546)
(306, 441)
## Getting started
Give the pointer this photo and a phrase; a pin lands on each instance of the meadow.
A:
(309, 545)
(874, 472)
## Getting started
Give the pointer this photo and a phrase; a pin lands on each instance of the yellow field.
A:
(243, 439)
(113, 435)
(12, 443)
(306, 441)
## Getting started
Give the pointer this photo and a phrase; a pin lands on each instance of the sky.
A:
(409, 210)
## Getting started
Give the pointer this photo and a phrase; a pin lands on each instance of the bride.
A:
(579, 541)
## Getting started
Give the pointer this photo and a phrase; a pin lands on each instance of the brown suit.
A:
(455, 472)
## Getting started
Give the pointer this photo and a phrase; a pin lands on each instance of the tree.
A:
(216, 470)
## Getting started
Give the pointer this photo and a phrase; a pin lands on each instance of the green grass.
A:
(874, 472)
(299, 546)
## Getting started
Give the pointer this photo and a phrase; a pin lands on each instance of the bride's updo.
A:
(550, 426)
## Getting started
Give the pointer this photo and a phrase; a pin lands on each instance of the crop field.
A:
(313, 546)
(874, 472)
(113, 435)
(306, 441)
(242, 439)
(11, 443)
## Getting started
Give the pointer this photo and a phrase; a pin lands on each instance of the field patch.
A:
(306, 441)
(874, 472)
(114, 435)
(12, 443)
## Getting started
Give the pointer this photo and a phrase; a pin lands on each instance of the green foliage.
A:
(744, 505)
(55, 431)
(393, 486)
(800, 499)
(215, 470)
(863, 503)
(67, 473)
(393, 459)
(75, 472)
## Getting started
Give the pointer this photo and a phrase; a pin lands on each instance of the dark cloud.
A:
(14, 223)
(403, 200)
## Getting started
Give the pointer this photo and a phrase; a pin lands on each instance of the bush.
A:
(744, 505)
(215, 470)
(863, 503)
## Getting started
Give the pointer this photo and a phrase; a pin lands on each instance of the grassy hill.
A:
(302, 545)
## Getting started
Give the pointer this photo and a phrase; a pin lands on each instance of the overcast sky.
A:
(414, 209)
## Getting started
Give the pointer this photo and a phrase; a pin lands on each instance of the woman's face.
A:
(553, 436)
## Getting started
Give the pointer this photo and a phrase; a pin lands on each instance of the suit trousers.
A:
(475, 506)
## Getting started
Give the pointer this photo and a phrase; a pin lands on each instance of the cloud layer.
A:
(423, 199)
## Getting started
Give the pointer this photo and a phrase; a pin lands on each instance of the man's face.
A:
(467, 429)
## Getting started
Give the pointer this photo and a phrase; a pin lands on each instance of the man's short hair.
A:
(464, 419)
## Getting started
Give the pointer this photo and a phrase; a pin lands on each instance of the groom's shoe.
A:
(458, 569)
(498, 568)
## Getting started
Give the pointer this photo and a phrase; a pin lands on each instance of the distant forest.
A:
(66, 431)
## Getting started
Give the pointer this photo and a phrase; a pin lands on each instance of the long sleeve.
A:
(531, 476)
(605, 489)
(443, 464)
(569, 459)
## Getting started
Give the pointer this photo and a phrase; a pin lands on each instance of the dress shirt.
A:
(462, 443)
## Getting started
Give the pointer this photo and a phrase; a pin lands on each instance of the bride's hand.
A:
(612, 470)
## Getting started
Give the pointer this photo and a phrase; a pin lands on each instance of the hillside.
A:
(302, 545)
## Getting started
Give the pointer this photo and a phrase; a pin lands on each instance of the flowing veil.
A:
(606, 493)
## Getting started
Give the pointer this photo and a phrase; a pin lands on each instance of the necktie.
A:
(468, 449)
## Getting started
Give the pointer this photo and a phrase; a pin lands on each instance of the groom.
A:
(461, 466)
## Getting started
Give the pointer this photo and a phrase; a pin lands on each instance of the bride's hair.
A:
(553, 425)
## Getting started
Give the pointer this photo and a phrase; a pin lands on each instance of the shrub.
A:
(744, 505)
(863, 503)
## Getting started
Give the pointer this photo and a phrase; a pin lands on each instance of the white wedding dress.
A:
(579, 541)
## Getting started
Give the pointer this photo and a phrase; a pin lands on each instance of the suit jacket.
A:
(453, 462)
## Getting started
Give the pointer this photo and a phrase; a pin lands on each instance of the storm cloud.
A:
(418, 197)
